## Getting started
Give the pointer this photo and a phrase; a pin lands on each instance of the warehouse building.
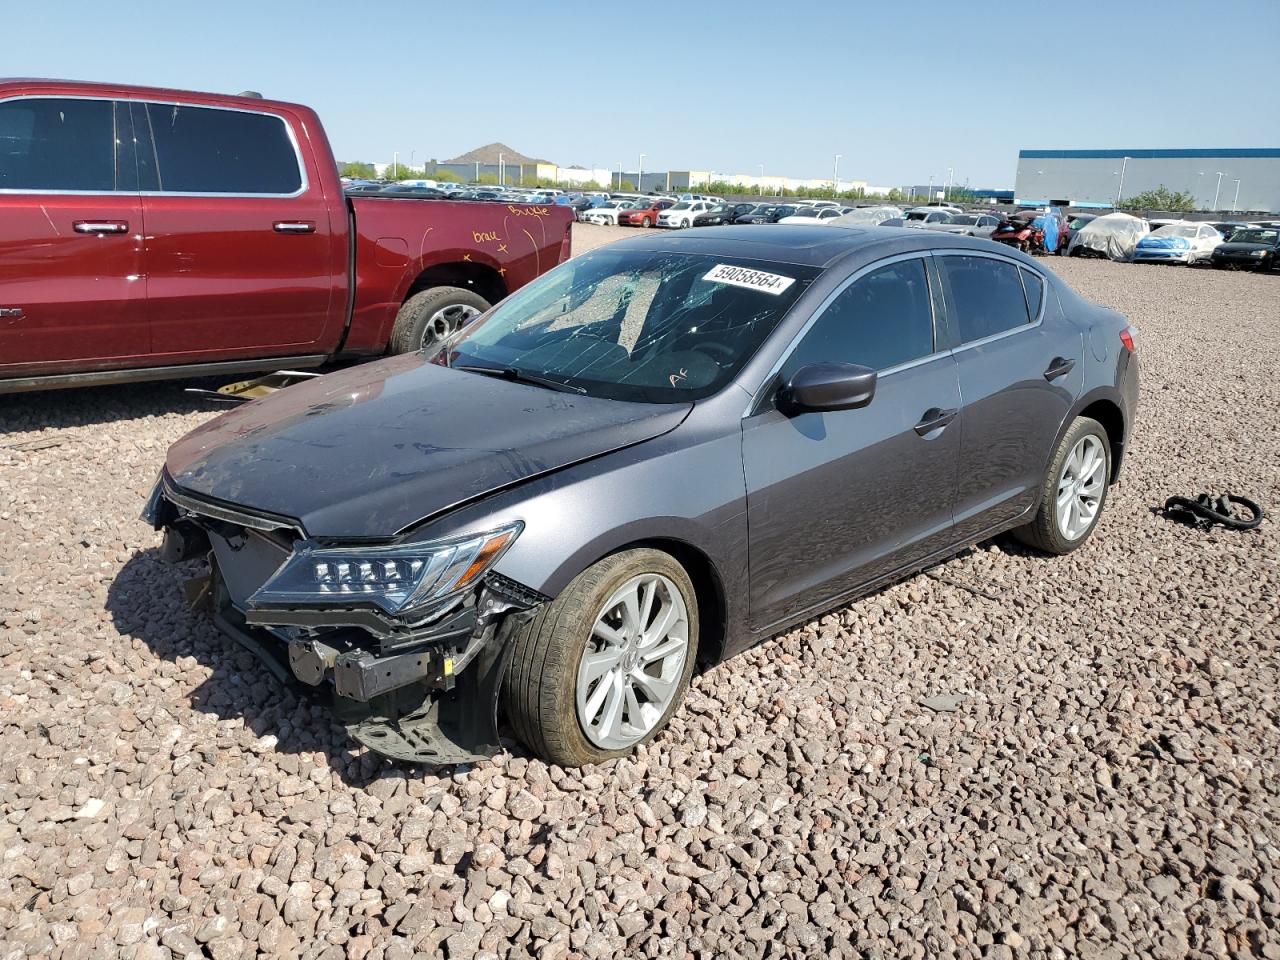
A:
(1219, 179)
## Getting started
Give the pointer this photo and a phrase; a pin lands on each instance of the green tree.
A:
(357, 169)
(627, 186)
(1161, 198)
(445, 176)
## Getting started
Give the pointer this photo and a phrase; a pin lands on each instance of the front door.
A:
(72, 294)
(240, 252)
(836, 500)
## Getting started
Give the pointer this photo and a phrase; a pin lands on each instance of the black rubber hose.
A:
(1205, 511)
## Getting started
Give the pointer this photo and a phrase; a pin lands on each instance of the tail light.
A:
(1127, 336)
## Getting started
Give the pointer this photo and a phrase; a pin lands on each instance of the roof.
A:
(817, 246)
(1179, 154)
(88, 88)
(488, 154)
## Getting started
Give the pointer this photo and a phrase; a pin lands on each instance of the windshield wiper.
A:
(521, 376)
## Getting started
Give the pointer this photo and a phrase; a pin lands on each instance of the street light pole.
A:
(501, 178)
(1124, 163)
(619, 174)
(640, 175)
(1217, 189)
(835, 175)
(946, 193)
(395, 164)
(929, 198)
(1237, 197)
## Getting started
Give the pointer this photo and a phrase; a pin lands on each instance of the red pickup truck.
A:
(150, 233)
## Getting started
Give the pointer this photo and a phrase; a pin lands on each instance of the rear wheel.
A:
(1074, 491)
(600, 669)
(429, 317)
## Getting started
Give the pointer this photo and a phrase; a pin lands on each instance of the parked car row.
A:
(1227, 244)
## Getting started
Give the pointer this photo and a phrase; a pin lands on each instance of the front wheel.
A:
(686, 224)
(431, 316)
(646, 222)
(1074, 491)
(601, 668)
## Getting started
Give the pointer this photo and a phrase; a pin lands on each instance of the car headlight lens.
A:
(398, 579)
(1260, 253)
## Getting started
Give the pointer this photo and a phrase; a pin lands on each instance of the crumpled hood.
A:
(372, 450)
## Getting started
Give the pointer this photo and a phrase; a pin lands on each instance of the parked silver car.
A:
(967, 225)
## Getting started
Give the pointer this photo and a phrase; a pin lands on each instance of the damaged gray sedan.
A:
(657, 454)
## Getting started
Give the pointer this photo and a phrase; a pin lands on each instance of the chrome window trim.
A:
(826, 303)
(305, 183)
(1021, 328)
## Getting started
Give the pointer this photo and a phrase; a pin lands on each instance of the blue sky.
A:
(902, 90)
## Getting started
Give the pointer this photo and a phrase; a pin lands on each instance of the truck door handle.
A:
(1059, 367)
(101, 227)
(294, 226)
(935, 418)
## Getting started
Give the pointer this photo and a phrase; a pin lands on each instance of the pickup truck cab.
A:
(149, 233)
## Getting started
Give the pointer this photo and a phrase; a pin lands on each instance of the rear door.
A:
(240, 254)
(1020, 363)
(71, 289)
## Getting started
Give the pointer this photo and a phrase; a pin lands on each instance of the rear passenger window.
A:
(880, 321)
(57, 144)
(207, 150)
(986, 296)
(1034, 287)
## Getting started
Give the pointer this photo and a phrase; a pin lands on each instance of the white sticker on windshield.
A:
(751, 279)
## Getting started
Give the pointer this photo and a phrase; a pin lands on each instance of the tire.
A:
(431, 315)
(646, 223)
(1046, 531)
(687, 224)
(542, 686)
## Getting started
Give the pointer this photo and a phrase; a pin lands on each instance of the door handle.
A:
(294, 226)
(1059, 367)
(935, 418)
(101, 227)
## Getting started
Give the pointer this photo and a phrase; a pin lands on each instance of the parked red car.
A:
(150, 233)
(644, 216)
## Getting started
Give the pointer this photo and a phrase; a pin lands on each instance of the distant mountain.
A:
(488, 154)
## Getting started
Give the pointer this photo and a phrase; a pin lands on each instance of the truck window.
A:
(57, 144)
(208, 150)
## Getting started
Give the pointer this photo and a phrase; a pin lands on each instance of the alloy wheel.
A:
(633, 662)
(446, 321)
(1080, 487)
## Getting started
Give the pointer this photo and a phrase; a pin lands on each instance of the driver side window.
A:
(881, 320)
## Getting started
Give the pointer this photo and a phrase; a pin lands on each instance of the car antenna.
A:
(252, 94)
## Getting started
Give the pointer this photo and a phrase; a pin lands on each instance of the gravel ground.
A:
(1086, 766)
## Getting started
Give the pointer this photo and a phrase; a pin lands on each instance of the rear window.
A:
(986, 296)
(57, 144)
(209, 150)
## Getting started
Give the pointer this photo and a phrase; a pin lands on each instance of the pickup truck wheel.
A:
(600, 669)
(430, 316)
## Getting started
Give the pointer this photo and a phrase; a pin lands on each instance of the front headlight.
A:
(398, 579)
(1260, 253)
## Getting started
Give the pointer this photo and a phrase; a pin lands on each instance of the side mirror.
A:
(828, 386)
